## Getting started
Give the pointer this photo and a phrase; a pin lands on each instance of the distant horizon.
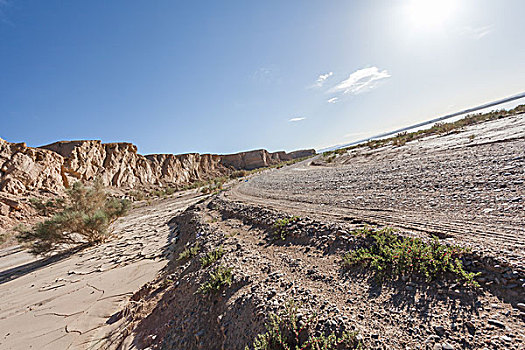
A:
(221, 78)
(508, 103)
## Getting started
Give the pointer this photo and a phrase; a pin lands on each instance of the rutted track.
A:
(467, 187)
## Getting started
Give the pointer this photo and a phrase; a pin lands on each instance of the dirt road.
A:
(65, 303)
(467, 186)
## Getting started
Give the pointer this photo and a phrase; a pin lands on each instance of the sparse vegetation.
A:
(189, 252)
(85, 218)
(289, 331)
(280, 227)
(212, 256)
(220, 277)
(3, 237)
(436, 129)
(48, 207)
(389, 254)
(137, 195)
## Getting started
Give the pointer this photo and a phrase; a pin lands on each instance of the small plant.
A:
(220, 277)
(280, 227)
(3, 238)
(189, 252)
(212, 257)
(287, 332)
(137, 195)
(85, 218)
(472, 137)
(238, 173)
(389, 254)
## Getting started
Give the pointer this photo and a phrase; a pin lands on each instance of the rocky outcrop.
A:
(261, 158)
(54, 167)
(25, 168)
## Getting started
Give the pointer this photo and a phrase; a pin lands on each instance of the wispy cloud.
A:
(322, 78)
(477, 32)
(297, 119)
(360, 81)
(332, 100)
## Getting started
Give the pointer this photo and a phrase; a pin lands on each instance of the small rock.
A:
(447, 346)
(496, 323)
(521, 306)
(506, 339)
(439, 330)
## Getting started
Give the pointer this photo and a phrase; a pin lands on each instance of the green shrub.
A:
(392, 255)
(288, 332)
(212, 257)
(220, 277)
(189, 252)
(280, 227)
(84, 219)
(47, 208)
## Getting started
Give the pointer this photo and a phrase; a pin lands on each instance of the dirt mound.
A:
(305, 267)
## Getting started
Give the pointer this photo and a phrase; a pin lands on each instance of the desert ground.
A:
(135, 292)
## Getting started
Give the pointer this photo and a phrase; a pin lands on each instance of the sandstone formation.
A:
(26, 171)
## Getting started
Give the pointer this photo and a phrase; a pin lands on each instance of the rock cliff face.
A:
(54, 167)
(25, 171)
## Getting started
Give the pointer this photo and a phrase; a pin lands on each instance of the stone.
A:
(496, 323)
(447, 346)
(4, 209)
(439, 330)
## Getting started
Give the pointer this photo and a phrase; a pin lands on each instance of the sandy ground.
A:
(65, 303)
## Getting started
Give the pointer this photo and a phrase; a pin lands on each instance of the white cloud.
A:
(477, 32)
(332, 100)
(322, 78)
(361, 80)
(298, 119)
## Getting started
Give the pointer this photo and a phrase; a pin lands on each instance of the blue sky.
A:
(227, 76)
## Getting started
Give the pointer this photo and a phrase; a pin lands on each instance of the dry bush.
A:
(85, 219)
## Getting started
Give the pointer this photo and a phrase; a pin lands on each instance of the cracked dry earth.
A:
(65, 303)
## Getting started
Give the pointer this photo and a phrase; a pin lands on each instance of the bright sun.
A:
(430, 13)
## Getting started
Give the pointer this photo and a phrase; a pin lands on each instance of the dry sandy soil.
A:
(133, 292)
(65, 302)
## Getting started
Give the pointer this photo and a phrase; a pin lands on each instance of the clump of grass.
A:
(330, 158)
(239, 173)
(189, 252)
(286, 332)
(212, 257)
(220, 277)
(85, 218)
(280, 227)
(3, 237)
(137, 195)
(389, 254)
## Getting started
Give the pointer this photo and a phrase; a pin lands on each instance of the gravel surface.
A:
(467, 186)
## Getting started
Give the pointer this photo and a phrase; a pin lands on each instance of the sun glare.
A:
(431, 13)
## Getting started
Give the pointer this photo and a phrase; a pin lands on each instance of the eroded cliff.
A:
(28, 171)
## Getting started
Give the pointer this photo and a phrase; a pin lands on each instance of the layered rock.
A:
(54, 167)
(27, 172)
